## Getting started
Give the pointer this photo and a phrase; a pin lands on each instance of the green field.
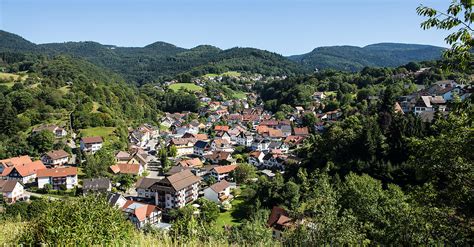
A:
(239, 95)
(230, 217)
(188, 86)
(228, 73)
(231, 74)
(105, 132)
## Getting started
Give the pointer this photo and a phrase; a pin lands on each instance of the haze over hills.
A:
(161, 60)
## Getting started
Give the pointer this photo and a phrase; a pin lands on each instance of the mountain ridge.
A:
(161, 60)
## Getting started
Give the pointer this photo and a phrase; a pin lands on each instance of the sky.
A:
(287, 27)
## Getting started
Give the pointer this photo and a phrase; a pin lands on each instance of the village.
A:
(192, 155)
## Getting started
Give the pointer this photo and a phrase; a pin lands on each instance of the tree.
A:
(8, 119)
(42, 141)
(243, 173)
(458, 16)
(209, 210)
(172, 151)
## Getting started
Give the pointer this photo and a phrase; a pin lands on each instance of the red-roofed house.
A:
(279, 221)
(141, 214)
(23, 172)
(91, 144)
(58, 177)
(221, 172)
(132, 169)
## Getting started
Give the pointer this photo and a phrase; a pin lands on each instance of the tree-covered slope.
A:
(353, 58)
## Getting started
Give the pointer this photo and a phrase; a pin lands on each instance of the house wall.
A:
(43, 181)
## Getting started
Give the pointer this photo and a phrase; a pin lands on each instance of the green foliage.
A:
(243, 173)
(458, 17)
(42, 141)
(98, 223)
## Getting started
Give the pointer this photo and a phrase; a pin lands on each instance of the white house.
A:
(141, 214)
(55, 158)
(23, 172)
(91, 144)
(11, 190)
(184, 146)
(57, 177)
(222, 172)
(429, 103)
(218, 192)
(256, 158)
(244, 139)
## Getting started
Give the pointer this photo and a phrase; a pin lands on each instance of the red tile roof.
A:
(25, 169)
(225, 169)
(92, 139)
(57, 172)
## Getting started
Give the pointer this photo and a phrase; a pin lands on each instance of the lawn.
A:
(231, 217)
(188, 86)
(105, 132)
(95, 107)
(231, 74)
(239, 95)
(65, 89)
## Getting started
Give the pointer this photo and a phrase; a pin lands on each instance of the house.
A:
(430, 103)
(58, 177)
(278, 146)
(11, 190)
(221, 128)
(194, 163)
(221, 145)
(96, 185)
(184, 146)
(222, 172)
(220, 158)
(200, 137)
(56, 130)
(116, 200)
(23, 172)
(141, 135)
(274, 161)
(200, 147)
(333, 115)
(177, 190)
(318, 96)
(10, 162)
(143, 187)
(301, 131)
(279, 221)
(132, 169)
(256, 158)
(141, 214)
(91, 144)
(55, 158)
(260, 144)
(224, 135)
(294, 141)
(244, 139)
(218, 192)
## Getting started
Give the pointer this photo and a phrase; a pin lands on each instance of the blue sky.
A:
(284, 26)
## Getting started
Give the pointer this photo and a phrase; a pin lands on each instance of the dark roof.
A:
(57, 154)
(113, 198)
(278, 218)
(145, 183)
(96, 183)
(176, 169)
(7, 185)
(201, 144)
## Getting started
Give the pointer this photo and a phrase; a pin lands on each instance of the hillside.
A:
(353, 58)
(160, 60)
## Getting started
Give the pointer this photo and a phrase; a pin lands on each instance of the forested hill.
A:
(159, 61)
(353, 58)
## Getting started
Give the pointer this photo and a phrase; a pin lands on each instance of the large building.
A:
(177, 190)
(91, 144)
